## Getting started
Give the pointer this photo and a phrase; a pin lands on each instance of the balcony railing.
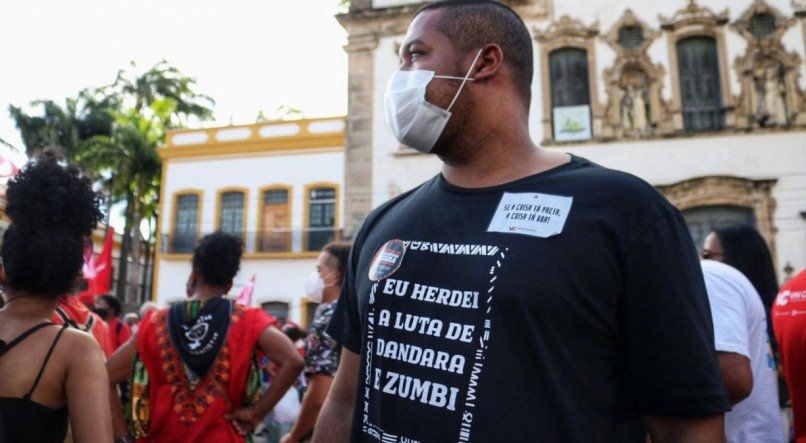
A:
(275, 241)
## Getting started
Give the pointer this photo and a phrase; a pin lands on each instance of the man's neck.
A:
(497, 160)
(494, 147)
(206, 292)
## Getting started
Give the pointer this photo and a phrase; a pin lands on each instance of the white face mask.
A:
(315, 287)
(415, 122)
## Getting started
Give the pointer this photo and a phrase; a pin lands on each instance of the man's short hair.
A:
(471, 24)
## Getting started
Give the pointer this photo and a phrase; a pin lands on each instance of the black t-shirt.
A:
(501, 314)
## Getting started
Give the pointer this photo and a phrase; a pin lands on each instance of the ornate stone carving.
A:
(635, 107)
(733, 191)
(768, 74)
(745, 24)
(566, 30)
(694, 15)
(532, 9)
(616, 37)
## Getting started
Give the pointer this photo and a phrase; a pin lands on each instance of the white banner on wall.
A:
(572, 123)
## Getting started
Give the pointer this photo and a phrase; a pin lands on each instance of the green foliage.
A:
(64, 126)
(113, 132)
(127, 158)
(283, 112)
(162, 82)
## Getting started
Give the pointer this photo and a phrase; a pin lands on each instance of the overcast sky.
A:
(249, 55)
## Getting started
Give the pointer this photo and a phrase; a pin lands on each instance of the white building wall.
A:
(277, 279)
(780, 156)
(389, 3)
(280, 280)
(296, 170)
(536, 107)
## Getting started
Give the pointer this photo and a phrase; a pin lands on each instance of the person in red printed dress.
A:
(195, 376)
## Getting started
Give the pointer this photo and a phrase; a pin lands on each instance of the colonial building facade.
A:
(704, 99)
(276, 185)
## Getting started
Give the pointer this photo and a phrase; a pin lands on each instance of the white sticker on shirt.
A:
(538, 215)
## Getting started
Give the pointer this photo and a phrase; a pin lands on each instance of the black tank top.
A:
(23, 420)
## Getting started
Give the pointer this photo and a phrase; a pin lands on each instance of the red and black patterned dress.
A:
(179, 410)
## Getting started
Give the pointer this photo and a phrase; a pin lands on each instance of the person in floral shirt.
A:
(321, 351)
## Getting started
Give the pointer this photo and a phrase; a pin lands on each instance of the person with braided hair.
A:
(49, 375)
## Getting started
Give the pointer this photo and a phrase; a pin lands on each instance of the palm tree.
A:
(163, 81)
(114, 132)
(161, 98)
(129, 165)
(65, 126)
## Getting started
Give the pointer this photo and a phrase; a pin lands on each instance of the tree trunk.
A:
(148, 275)
(123, 260)
(136, 253)
(146, 268)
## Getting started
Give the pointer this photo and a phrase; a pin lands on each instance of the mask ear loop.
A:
(464, 80)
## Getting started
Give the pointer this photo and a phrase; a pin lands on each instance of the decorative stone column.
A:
(358, 140)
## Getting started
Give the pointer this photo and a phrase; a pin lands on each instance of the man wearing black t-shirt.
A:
(522, 294)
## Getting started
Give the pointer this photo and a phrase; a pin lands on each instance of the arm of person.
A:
(87, 391)
(668, 335)
(281, 351)
(736, 374)
(119, 367)
(335, 419)
(705, 429)
(726, 296)
(315, 395)
(125, 333)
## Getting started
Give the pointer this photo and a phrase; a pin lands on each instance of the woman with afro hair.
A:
(48, 373)
(195, 376)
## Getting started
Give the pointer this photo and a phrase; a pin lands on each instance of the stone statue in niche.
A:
(635, 116)
(770, 106)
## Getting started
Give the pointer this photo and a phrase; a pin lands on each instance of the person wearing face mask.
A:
(321, 351)
(523, 294)
(108, 308)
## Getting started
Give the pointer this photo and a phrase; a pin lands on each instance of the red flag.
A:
(245, 296)
(97, 269)
(103, 264)
(7, 167)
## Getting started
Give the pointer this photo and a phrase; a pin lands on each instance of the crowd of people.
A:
(523, 294)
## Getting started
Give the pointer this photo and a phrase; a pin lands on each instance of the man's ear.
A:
(227, 288)
(2, 275)
(488, 63)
